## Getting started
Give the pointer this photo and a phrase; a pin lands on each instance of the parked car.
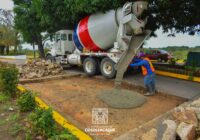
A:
(160, 55)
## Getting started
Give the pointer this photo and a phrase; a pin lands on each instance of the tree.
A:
(175, 15)
(62, 14)
(27, 22)
(8, 36)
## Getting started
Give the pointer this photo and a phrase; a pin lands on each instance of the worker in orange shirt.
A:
(149, 74)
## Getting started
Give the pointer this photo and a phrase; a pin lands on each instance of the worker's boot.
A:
(149, 94)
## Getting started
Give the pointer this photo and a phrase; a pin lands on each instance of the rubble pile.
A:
(183, 124)
(39, 68)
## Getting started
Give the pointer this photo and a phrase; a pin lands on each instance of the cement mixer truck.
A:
(103, 42)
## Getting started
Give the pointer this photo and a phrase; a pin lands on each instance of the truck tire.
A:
(90, 66)
(107, 68)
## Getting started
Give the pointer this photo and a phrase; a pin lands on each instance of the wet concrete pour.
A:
(122, 99)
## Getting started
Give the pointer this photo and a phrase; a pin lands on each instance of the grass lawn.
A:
(13, 124)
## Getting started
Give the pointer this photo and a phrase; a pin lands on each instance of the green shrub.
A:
(8, 80)
(64, 135)
(4, 98)
(44, 124)
(26, 101)
(13, 117)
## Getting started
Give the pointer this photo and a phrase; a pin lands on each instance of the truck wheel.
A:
(90, 66)
(107, 68)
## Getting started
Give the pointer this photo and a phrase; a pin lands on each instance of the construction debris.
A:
(186, 131)
(187, 116)
(183, 123)
(151, 135)
(39, 68)
(170, 132)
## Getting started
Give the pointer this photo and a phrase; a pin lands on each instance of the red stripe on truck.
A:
(85, 37)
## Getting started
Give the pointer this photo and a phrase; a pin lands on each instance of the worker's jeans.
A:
(149, 82)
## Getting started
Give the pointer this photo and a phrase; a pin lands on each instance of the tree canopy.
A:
(36, 16)
(28, 23)
(62, 14)
(178, 15)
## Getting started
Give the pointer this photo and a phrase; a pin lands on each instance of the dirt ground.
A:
(13, 124)
(75, 97)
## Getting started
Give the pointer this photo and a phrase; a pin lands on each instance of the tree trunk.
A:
(41, 48)
(7, 50)
(15, 49)
(34, 50)
(2, 49)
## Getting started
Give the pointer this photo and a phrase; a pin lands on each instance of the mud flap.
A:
(135, 43)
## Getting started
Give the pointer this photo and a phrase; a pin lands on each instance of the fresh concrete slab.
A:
(122, 99)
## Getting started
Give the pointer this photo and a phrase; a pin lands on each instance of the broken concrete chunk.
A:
(31, 75)
(2, 114)
(38, 63)
(170, 132)
(11, 109)
(179, 109)
(187, 116)
(39, 138)
(196, 103)
(186, 131)
(39, 68)
(151, 135)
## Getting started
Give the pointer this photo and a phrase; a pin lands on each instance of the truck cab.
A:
(63, 43)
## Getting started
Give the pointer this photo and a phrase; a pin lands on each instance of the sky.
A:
(161, 41)
(6, 4)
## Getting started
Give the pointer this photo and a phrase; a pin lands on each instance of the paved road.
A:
(177, 87)
(172, 86)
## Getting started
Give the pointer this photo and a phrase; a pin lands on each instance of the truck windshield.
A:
(57, 37)
(63, 37)
(70, 37)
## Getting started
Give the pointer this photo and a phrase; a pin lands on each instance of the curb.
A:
(179, 76)
(43, 79)
(60, 119)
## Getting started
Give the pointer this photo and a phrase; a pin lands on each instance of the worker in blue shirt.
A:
(149, 73)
